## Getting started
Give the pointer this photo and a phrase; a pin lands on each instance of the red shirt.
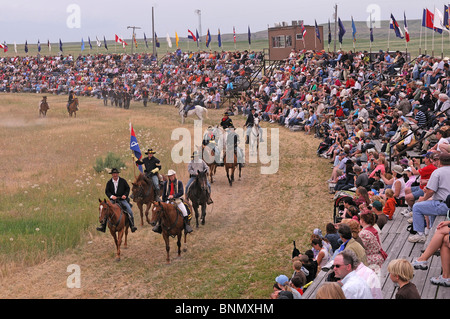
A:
(425, 174)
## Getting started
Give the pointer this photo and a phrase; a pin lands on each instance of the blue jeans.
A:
(124, 203)
(191, 180)
(431, 208)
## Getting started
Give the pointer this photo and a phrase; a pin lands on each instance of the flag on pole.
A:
(39, 46)
(234, 34)
(198, 38)
(120, 40)
(156, 41)
(99, 44)
(341, 30)
(169, 42)
(405, 27)
(135, 41)
(317, 31)
(438, 21)
(82, 44)
(446, 17)
(134, 147)
(90, 45)
(303, 31)
(191, 35)
(353, 30)
(104, 40)
(15, 47)
(5, 47)
(49, 46)
(249, 36)
(219, 39)
(329, 31)
(176, 39)
(394, 25)
(60, 46)
(371, 32)
(145, 40)
(208, 39)
(26, 46)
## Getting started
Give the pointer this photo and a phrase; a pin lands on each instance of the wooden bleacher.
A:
(394, 239)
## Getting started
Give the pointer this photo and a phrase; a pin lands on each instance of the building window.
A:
(288, 41)
(299, 36)
(279, 41)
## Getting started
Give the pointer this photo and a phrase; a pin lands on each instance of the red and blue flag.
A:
(134, 147)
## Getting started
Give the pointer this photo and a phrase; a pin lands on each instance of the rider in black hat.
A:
(117, 189)
(226, 121)
(152, 167)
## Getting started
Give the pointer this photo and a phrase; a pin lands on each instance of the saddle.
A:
(188, 209)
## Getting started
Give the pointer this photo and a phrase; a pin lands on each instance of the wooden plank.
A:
(310, 293)
(429, 290)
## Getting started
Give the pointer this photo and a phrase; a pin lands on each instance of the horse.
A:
(198, 195)
(209, 156)
(230, 167)
(43, 107)
(255, 136)
(117, 221)
(142, 192)
(172, 224)
(73, 107)
(197, 110)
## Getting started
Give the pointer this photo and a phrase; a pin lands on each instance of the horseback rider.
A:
(197, 164)
(117, 189)
(152, 167)
(173, 192)
(232, 146)
(226, 121)
(70, 100)
(44, 100)
(187, 103)
(250, 123)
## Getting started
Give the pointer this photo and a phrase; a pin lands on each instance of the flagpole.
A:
(389, 35)
(420, 41)
(370, 40)
(434, 31)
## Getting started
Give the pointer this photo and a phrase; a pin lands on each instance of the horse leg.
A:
(119, 243)
(113, 233)
(179, 243)
(203, 213)
(240, 172)
(195, 206)
(228, 176)
(141, 212)
(166, 240)
(146, 212)
(125, 244)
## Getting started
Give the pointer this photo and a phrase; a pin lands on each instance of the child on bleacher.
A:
(389, 207)
(401, 272)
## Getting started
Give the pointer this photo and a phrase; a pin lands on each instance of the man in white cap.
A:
(173, 192)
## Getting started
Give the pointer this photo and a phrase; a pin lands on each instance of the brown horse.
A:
(73, 107)
(230, 167)
(117, 221)
(198, 195)
(43, 107)
(142, 194)
(172, 224)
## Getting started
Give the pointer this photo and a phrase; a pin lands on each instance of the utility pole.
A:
(199, 13)
(153, 31)
(133, 37)
(335, 25)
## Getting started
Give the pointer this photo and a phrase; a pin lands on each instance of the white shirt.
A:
(354, 287)
(116, 184)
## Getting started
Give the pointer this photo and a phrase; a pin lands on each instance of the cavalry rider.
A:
(152, 167)
(187, 103)
(249, 124)
(226, 121)
(209, 140)
(173, 192)
(44, 100)
(70, 100)
(197, 164)
(232, 146)
(117, 189)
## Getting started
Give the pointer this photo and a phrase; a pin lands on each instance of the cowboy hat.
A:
(114, 170)
(171, 172)
(150, 151)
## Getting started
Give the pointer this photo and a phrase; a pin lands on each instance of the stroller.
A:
(325, 145)
(339, 204)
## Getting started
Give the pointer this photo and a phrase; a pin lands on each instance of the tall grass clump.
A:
(111, 160)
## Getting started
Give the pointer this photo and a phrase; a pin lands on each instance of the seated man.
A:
(432, 204)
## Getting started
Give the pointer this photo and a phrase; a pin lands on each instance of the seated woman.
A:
(371, 241)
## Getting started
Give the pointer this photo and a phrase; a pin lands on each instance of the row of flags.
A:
(436, 21)
(120, 40)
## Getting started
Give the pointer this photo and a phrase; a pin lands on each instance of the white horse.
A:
(197, 110)
(255, 135)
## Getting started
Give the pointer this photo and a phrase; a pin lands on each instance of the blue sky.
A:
(72, 20)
